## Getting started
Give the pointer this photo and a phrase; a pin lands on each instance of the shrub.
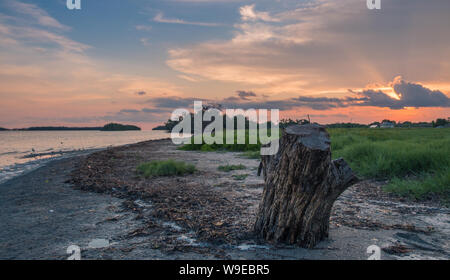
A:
(240, 177)
(228, 168)
(165, 168)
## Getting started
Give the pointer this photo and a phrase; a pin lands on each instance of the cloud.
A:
(409, 95)
(324, 45)
(322, 103)
(172, 102)
(39, 37)
(208, 1)
(145, 42)
(125, 115)
(48, 77)
(38, 14)
(297, 54)
(143, 27)
(245, 94)
(188, 78)
(248, 13)
(126, 111)
(160, 18)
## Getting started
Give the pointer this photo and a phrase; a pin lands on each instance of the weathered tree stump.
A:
(301, 185)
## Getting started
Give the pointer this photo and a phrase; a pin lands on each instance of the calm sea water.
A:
(22, 151)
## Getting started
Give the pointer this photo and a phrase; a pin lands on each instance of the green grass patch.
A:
(390, 153)
(240, 177)
(397, 155)
(235, 147)
(229, 168)
(423, 187)
(165, 168)
(252, 154)
(249, 149)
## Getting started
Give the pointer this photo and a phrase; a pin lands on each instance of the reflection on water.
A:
(22, 151)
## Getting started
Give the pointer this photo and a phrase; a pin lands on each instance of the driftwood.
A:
(301, 185)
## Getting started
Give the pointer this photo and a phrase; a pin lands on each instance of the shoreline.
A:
(20, 169)
(43, 213)
(24, 162)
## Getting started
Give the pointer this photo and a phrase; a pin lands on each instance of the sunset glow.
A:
(137, 61)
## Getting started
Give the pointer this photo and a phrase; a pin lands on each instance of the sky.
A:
(136, 61)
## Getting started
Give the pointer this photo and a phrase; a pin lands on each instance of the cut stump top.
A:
(312, 136)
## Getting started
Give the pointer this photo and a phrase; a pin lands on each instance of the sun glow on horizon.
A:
(53, 71)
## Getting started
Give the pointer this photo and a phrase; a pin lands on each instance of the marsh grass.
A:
(426, 186)
(235, 147)
(165, 168)
(240, 177)
(398, 155)
(251, 154)
(416, 161)
(385, 154)
(229, 168)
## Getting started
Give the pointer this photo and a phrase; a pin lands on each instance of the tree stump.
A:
(301, 185)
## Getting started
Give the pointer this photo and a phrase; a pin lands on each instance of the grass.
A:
(426, 186)
(229, 168)
(247, 147)
(415, 161)
(165, 168)
(240, 177)
(251, 154)
(390, 153)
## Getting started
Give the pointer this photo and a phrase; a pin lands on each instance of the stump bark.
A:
(301, 185)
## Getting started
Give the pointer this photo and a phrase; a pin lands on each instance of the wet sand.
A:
(207, 215)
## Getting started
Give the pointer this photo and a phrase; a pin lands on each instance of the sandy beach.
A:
(206, 215)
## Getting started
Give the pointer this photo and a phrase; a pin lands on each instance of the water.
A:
(22, 151)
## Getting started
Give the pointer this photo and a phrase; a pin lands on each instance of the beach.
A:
(205, 215)
(23, 151)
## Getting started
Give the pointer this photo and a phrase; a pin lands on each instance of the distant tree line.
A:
(52, 128)
(346, 125)
(170, 124)
(288, 122)
(441, 122)
(107, 127)
(436, 123)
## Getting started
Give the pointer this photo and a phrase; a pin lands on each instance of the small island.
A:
(167, 126)
(57, 128)
(107, 127)
(119, 127)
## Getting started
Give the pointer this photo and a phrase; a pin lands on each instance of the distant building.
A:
(387, 125)
(373, 126)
